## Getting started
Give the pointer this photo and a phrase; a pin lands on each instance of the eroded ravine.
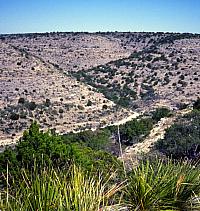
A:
(132, 154)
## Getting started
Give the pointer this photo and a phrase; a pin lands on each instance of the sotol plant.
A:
(163, 185)
(52, 189)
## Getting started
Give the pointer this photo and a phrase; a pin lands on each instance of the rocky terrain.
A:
(77, 81)
(31, 89)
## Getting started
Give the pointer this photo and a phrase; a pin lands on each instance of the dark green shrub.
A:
(196, 104)
(51, 149)
(14, 116)
(32, 106)
(61, 110)
(97, 140)
(89, 103)
(21, 100)
(47, 102)
(104, 107)
(160, 113)
(182, 140)
(133, 131)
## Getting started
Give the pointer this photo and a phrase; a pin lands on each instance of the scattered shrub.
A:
(104, 107)
(89, 103)
(14, 116)
(161, 113)
(196, 104)
(21, 100)
(47, 102)
(61, 110)
(32, 106)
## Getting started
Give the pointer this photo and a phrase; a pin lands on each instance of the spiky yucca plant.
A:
(52, 189)
(163, 185)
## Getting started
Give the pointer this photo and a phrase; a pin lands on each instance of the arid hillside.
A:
(78, 51)
(31, 89)
(73, 81)
(165, 72)
(71, 51)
